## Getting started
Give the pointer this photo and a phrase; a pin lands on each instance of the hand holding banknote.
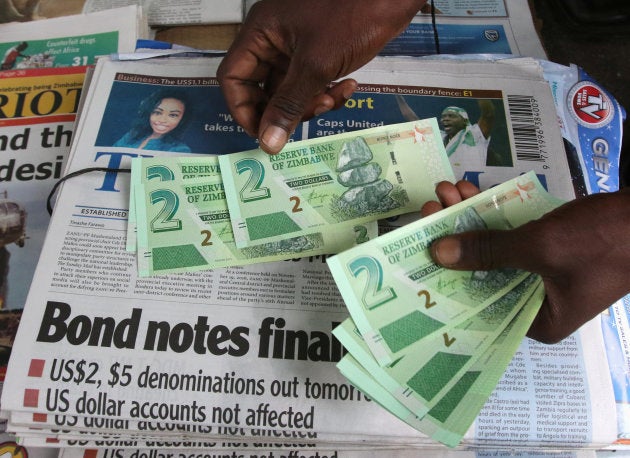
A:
(427, 343)
(581, 250)
(279, 67)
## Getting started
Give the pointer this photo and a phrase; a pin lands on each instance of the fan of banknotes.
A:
(319, 196)
(426, 343)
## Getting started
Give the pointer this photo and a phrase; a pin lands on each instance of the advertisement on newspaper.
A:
(58, 52)
(70, 40)
(592, 125)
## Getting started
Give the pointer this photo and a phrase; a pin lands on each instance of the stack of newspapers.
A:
(120, 355)
(443, 338)
(41, 83)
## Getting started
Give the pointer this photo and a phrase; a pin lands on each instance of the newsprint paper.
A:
(115, 363)
(169, 12)
(464, 27)
(470, 26)
(40, 87)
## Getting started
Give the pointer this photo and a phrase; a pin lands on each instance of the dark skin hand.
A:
(278, 72)
(279, 69)
(581, 250)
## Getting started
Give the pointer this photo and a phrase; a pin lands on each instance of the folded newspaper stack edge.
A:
(108, 362)
(185, 222)
(161, 13)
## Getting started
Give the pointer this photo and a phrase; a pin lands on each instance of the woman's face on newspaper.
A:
(166, 116)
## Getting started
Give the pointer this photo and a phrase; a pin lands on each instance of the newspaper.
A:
(8, 442)
(465, 27)
(247, 352)
(178, 12)
(310, 453)
(41, 83)
(40, 89)
(521, 135)
(74, 40)
(593, 128)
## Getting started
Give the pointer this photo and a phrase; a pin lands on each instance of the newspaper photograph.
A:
(506, 130)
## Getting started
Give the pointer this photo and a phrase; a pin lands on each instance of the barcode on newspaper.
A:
(525, 119)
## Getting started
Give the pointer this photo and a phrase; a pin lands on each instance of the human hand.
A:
(279, 69)
(581, 250)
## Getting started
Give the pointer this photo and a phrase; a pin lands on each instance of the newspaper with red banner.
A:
(41, 83)
(42, 72)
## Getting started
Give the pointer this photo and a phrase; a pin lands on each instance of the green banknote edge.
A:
(371, 333)
(396, 379)
(451, 424)
(279, 219)
(180, 257)
(449, 421)
(132, 229)
(138, 174)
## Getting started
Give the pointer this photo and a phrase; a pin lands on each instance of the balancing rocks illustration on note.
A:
(352, 177)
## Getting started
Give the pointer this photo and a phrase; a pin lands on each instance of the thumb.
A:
(480, 250)
(287, 106)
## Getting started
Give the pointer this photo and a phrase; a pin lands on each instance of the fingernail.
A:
(274, 138)
(447, 252)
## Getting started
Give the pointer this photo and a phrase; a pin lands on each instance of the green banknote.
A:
(451, 417)
(185, 226)
(176, 168)
(351, 177)
(419, 378)
(397, 296)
